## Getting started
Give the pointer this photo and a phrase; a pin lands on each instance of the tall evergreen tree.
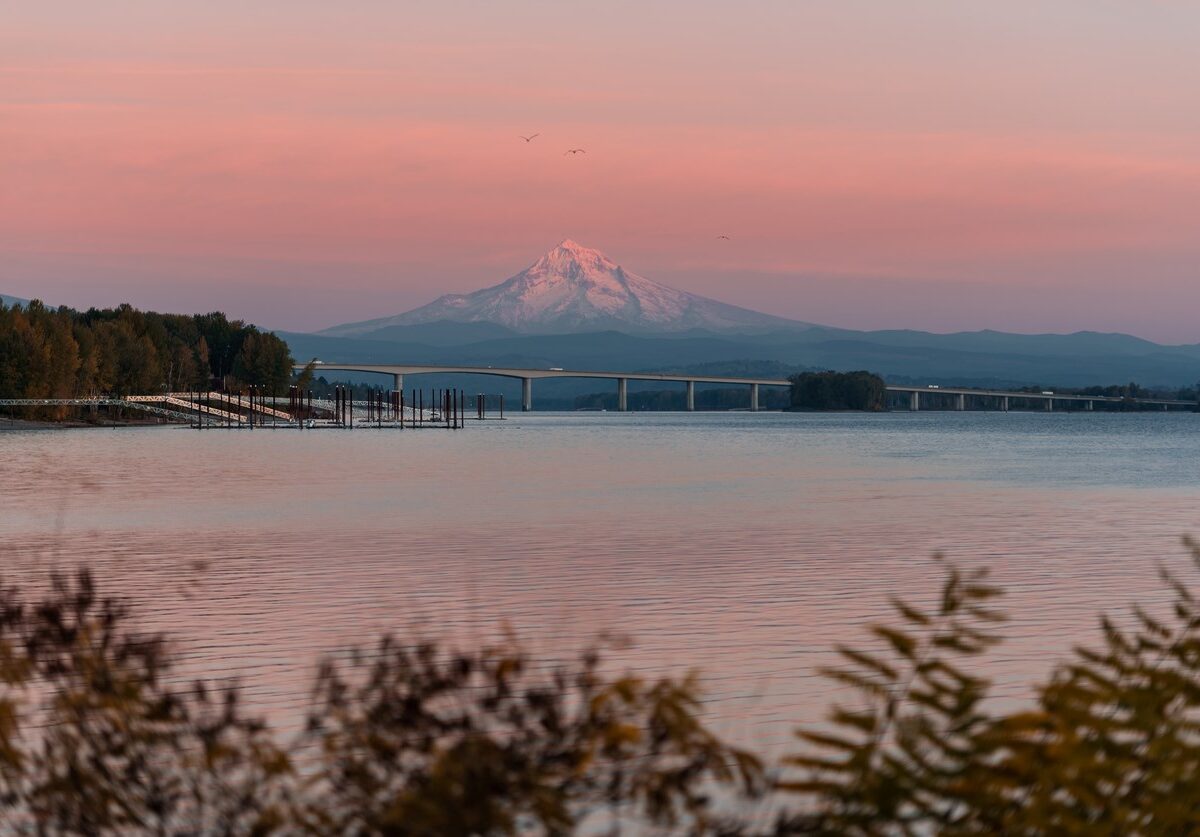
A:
(62, 353)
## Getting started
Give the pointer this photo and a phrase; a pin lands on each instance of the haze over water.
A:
(747, 545)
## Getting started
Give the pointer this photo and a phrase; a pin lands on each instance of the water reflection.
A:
(747, 545)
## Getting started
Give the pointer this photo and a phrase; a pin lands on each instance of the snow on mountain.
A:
(573, 288)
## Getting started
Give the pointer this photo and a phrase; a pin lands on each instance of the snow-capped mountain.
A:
(574, 288)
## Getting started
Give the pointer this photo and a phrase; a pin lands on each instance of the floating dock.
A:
(438, 408)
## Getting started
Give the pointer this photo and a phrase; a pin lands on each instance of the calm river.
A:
(743, 544)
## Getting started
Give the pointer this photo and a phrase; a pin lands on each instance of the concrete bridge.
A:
(994, 398)
(1000, 399)
(527, 377)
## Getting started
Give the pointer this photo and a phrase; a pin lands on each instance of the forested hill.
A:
(63, 353)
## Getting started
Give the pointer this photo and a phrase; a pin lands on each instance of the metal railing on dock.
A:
(343, 409)
(252, 408)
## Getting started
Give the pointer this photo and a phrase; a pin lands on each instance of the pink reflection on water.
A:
(746, 550)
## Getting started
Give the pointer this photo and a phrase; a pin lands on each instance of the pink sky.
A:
(943, 165)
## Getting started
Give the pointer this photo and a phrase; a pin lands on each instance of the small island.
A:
(838, 391)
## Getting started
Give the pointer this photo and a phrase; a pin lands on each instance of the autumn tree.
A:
(63, 354)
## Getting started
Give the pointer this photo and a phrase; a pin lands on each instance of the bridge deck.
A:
(1039, 396)
(517, 372)
(527, 375)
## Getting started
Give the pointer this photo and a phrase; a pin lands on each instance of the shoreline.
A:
(15, 424)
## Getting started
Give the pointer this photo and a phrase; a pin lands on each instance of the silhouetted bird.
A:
(724, 237)
(529, 138)
(574, 151)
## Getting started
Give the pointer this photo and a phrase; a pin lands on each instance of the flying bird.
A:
(529, 138)
(574, 151)
(724, 237)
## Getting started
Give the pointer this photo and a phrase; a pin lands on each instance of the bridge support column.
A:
(1004, 403)
(526, 394)
(1089, 406)
(622, 394)
(754, 397)
(397, 383)
(961, 402)
(914, 401)
(691, 396)
(1049, 405)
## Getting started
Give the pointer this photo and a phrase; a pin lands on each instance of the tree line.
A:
(1135, 390)
(64, 353)
(838, 391)
(730, 398)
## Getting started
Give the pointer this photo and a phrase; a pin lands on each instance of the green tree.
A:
(263, 360)
(838, 391)
(62, 354)
(305, 379)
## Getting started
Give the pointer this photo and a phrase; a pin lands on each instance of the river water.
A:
(746, 545)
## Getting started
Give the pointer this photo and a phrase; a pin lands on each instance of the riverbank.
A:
(15, 424)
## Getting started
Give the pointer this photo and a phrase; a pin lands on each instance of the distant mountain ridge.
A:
(573, 288)
(999, 359)
(574, 307)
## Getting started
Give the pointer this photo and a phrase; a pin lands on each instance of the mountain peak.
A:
(576, 288)
(569, 253)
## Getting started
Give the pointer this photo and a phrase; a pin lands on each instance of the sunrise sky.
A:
(942, 165)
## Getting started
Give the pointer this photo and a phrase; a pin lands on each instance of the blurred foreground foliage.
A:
(1111, 744)
(100, 735)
